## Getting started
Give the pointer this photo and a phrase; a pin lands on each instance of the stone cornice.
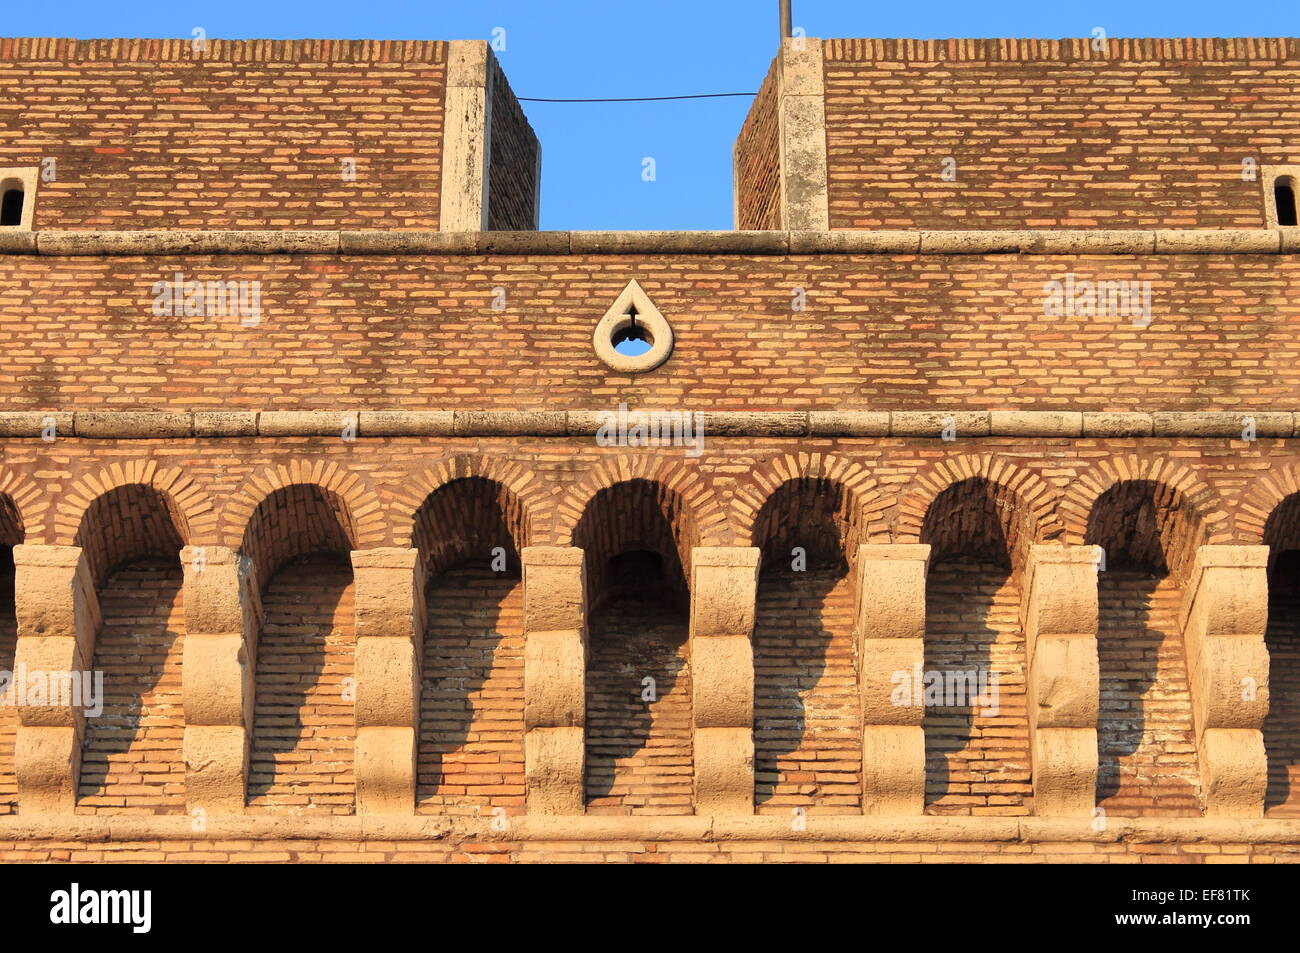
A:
(1223, 241)
(83, 828)
(940, 423)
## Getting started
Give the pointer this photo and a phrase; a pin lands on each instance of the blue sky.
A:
(593, 153)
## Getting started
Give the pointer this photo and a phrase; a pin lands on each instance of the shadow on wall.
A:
(791, 643)
(301, 609)
(1146, 744)
(1128, 657)
(1282, 726)
(972, 526)
(638, 731)
(804, 530)
(468, 609)
(8, 713)
(133, 648)
(960, 595)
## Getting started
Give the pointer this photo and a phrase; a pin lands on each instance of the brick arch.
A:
(188, 505)
(463, 521)
(520, 496)
(1261, 505)
(637, 514)
(1184, 511)
(788, 481)
(864, 517)
(22, 509)
(698, 502)
(319, 494)
(1087, 488)
(131, 510)
(1030, 503)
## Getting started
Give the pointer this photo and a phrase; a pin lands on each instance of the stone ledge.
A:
(185, 242)
(954, 424)
(680, 243)
(83, 828)
(14, 241)
(127, 425)
(1225, 241)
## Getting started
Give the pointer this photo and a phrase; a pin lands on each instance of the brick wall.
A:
(807, 721)
(131, 757)
(476, 847)
(248, 134)
(977, 755)
(471, 753)
(514, 165)
(879, 332)
(639, 757)
(8, 713)
(1282, 728)
(1144, 732)
(303, 726)
(1145, 133)
(758, 160)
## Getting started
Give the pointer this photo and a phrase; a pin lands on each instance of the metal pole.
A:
(785, 18)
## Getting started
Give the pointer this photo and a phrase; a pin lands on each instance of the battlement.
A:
(177, 134)
(1080, 133)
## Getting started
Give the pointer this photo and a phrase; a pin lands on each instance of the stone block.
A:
(554, 761)
(893, 770)
(722, 682)
(385, 770)
(555, 668)
(724, 771)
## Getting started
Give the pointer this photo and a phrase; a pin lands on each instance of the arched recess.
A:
(637, 536)
(1281, 533)
(188, 506)
(131, 537)
(1148, 531)
(470, 758)
(866, 520)
(980, 527)
(691, 493)
(807, 721)
(524, 502)
(12, 532)
(1021, 508)
(299, 537)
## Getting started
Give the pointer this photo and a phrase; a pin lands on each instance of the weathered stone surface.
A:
(934, 423)
(855, 242)
(893, 770)
(225, 423)
(1088, 241)
(1035, 423)
(1218, 241)
(129, 425)
(305, 423)
(553, 759)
